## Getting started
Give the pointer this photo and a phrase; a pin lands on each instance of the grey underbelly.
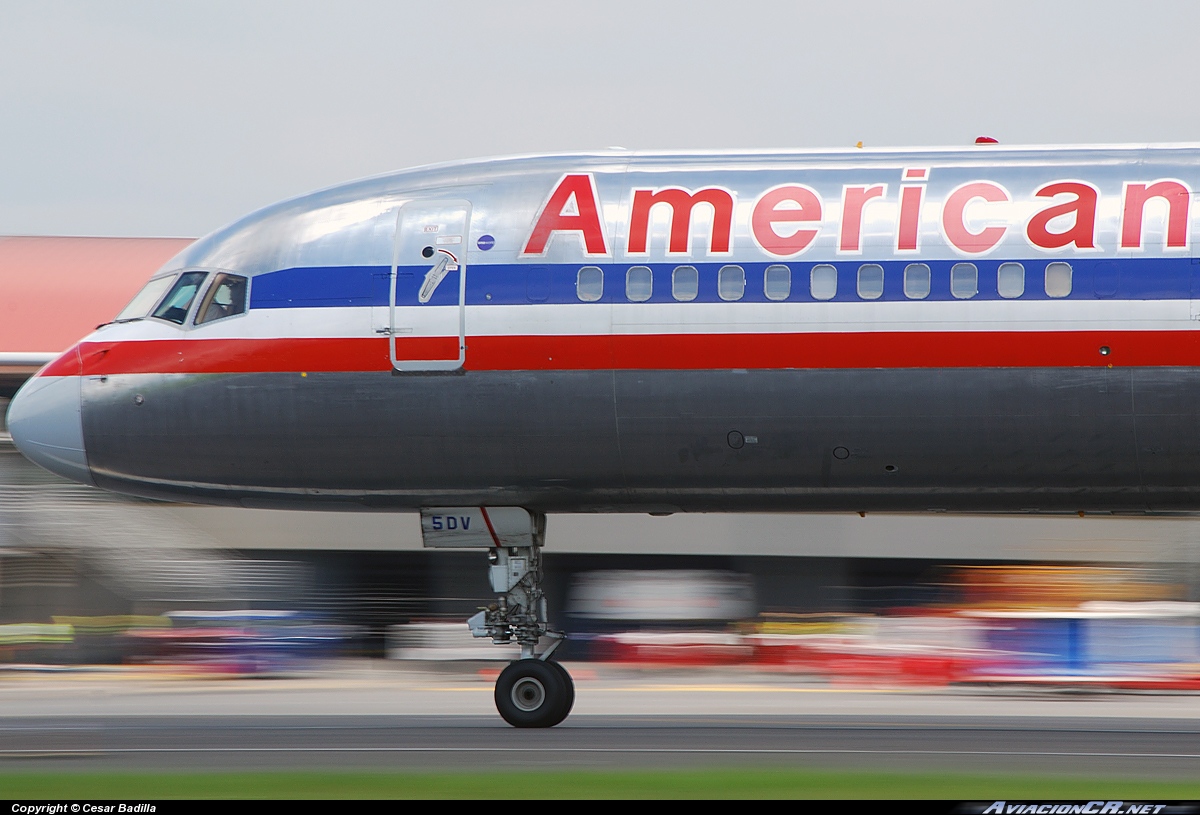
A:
(1092, 439)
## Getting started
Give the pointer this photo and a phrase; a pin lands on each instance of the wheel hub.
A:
(528, 694)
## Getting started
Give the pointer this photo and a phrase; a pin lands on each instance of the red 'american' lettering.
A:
(572, 207)
(788, 204)
(681, 203)
(1177, 196)
(1082, 207)
(954, 225)
(854, 201)
(787, 219)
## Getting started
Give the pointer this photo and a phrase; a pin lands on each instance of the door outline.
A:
(460, 258)
(1194, 252)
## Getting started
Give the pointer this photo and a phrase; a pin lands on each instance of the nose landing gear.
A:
(533, 691)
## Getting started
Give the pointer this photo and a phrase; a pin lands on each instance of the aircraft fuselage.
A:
(983, 330)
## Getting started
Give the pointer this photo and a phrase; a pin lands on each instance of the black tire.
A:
(569, 686)
(531, 693)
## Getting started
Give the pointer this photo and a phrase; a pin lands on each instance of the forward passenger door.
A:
(428, 291)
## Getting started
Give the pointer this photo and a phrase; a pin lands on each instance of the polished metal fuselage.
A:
(860, 401)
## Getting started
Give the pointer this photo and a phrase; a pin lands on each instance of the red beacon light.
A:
(986, 140)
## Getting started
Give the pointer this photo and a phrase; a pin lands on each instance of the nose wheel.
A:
(534, 693)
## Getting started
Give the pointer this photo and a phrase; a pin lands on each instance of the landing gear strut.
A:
(533, 691)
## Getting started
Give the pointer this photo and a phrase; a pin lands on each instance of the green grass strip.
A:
(553, 784)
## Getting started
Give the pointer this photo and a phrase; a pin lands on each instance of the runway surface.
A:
(383, 716)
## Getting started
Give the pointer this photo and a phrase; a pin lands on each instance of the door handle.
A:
(436, 275)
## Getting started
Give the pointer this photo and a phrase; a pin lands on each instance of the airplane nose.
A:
(46, 423)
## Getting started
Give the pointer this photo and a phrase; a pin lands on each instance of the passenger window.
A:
(226, 297)
(731, 283)
(777, 282)
(964, 280)
(1010, 280)
(589, 284)
(174, 307)
(144, 300)
(639, 284)
(1058, 279)
(916, 281)
(870, 281)
(685, 283)
(823, 282)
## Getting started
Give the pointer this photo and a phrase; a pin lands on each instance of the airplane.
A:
(984, 329)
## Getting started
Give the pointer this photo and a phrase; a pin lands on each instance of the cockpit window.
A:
(174, 307)
(144, 300)
(226, 297)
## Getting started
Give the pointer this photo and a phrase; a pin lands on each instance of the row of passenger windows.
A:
(822, 282)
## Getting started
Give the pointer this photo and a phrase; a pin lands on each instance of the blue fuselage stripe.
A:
(519, 284)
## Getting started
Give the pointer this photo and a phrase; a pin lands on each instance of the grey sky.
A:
(152, 118)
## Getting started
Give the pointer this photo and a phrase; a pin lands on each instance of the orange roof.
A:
(53, 291)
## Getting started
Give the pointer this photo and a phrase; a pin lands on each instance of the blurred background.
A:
(143, 119)
(90, 580)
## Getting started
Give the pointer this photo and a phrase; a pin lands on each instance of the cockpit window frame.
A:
(170, 277)
(208, 290)
(191, 309)
(202, 291)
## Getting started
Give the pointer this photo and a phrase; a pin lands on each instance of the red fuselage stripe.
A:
(883, 349)
(491, 529)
